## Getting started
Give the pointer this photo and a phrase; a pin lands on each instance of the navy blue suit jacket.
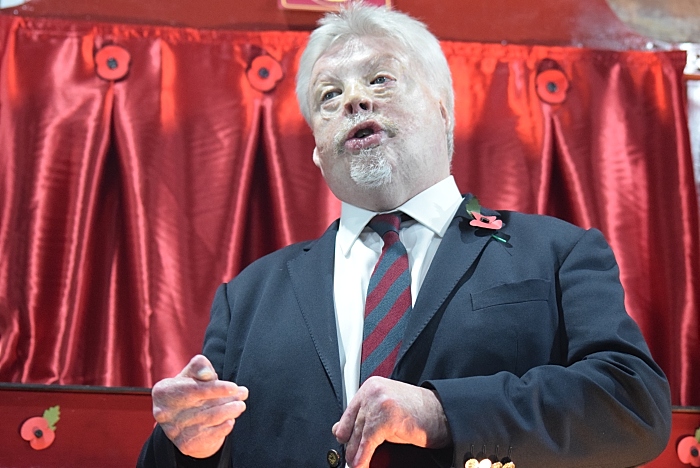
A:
(526, 342)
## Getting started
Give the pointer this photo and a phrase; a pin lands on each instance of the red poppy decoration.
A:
(551, 86)
(112, 62)
(483, 221)
(688, 449)
(487, 222)
(40, 431)
(264, 73)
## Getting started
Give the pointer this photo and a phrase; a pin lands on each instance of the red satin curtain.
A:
(124, 203)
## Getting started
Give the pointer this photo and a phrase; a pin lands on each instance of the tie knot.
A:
(387, 222)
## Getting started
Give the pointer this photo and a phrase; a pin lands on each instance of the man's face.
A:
(380, 129)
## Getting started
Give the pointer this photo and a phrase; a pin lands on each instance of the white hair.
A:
(358, 20)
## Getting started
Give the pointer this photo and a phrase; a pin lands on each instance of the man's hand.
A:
(196, 410)
(387, 410)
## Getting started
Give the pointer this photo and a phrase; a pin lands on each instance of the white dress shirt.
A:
(431, 211)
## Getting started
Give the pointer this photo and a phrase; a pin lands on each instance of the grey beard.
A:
(370, 168)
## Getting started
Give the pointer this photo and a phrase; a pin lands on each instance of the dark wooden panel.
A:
(103, 427)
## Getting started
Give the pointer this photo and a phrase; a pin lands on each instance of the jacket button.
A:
(333, 458)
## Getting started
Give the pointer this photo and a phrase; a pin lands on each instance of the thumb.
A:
(199, 368)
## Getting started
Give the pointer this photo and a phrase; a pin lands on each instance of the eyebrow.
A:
(373, 62)
(383, 57)
(325, 76)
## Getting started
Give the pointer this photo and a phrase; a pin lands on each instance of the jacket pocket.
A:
(511, 293)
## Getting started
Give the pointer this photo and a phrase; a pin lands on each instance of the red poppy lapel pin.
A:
(485, 222)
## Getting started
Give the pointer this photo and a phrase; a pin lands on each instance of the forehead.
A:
(365, 52)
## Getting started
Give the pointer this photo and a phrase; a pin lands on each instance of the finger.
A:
(365, 449)
(242, 392)
(342, 430)
(188, 415)
(202, 392)
(367, 436)
(203, 442)
(215, 414)
(220, 430)
(353, 441)
(203, 416)
(188, 391)
(199, 368)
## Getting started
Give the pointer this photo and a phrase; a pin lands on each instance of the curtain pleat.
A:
(124, 202)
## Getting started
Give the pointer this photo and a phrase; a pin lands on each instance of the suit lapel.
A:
(458, 251)
(311, 275)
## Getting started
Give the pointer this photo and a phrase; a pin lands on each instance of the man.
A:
(512, 339)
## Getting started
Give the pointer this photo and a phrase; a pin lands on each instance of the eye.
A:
(379, 80)
(330, 95)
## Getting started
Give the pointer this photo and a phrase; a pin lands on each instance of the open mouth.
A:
(364, 135)
(364, 132)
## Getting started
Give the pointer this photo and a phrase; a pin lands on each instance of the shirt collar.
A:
(434, 208)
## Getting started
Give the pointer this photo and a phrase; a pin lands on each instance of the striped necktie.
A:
(388, 301)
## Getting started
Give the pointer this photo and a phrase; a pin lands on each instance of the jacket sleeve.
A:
(160, 452)
(608, 405)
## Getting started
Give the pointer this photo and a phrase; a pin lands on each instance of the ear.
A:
(316, 159)
(445, 116)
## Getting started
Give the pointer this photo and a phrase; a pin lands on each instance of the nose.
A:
(357, 100)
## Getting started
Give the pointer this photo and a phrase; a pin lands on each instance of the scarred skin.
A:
(357, 80)
(392, 411)
(197, 410)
